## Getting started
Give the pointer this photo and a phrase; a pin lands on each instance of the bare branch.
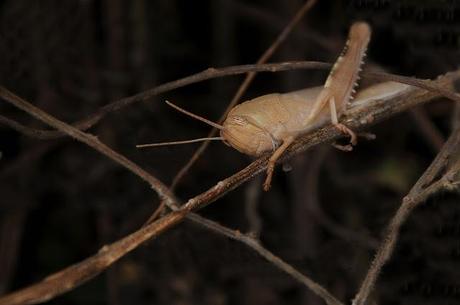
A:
(255, 245)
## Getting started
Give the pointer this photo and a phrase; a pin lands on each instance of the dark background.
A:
(60, 201)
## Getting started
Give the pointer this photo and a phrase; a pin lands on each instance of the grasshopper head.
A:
(246, 137)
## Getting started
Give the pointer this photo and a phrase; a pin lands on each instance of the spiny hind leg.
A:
(321, 101)
(272, 161)
(343, 128)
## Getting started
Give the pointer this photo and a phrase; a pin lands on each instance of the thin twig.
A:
(255, 245)
(73, 276)
(27, 131)
(417, 195)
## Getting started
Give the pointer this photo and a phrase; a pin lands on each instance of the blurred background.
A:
(60, 201)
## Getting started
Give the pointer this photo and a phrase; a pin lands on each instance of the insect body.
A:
(260, 125)
(272, 122)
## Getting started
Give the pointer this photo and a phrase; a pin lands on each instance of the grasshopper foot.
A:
(346, 148)
(353, 137)
(348, 131)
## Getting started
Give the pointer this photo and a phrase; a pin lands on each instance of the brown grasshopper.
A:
(272, 122)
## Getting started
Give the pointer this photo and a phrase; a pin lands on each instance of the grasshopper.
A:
(272, 122)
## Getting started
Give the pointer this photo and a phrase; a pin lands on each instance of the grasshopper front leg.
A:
(324, 100)
(274, 157)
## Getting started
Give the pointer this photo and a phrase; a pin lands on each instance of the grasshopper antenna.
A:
(179, 142)
(199, 118)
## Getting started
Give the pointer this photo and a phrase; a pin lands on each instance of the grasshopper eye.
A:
(238, 120)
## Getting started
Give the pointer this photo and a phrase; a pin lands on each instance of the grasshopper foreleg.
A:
(274, 157)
